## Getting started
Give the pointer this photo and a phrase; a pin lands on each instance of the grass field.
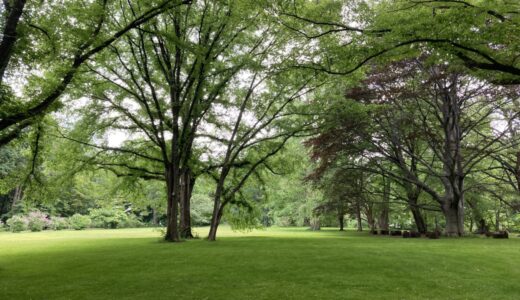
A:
(278, 263)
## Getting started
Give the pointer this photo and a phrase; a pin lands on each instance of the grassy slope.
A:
(271, 264)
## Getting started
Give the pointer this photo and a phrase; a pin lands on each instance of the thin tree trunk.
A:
(154, 217)
(385, 207)
(497, 220)
(217, 209)
(358, 217)
(16, 198)
(418, 219)
(215, 222)
(341, 219)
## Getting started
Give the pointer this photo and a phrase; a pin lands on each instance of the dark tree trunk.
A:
(358, 217)
(14, 10)
(187, 184)
(497, 220)
(385, 207)
(172, 226)
(341, 220)
(418, 219)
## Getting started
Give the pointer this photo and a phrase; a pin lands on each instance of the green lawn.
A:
(273, 264)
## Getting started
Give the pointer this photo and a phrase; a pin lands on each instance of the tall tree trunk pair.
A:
(172, 212)
(187, 184)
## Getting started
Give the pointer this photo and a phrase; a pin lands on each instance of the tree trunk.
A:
(154, 217)
(453, 179)
(215, 222)
(358, 217)
(187, 184)
(383, 221)
(497, 220)
(172, 226)
(341, 219)
(482, 226)
(418, 219)
(218, 209)
(454, 219)
(315, 223)
(9, 34)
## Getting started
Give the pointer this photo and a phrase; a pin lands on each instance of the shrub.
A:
(106, 217)
(131, 221)
(59, 223)
(17, 223)
(79, 222)
(37, 221)
(113, 218)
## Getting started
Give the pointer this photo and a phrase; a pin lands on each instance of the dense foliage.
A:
(386, 114)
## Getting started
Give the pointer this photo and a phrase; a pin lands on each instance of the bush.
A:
(59, 223)
(17, 223)
(37, 221)
(113, 218)
(131, 221)
(107, 218)
(79, 222)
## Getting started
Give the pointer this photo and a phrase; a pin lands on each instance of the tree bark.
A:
(218, 207)
(215, 222)
(454, 215)
(14, 11)
(187, 184)
(172, 226)
(413, 200)
(341, 220)
(418, 219)
(358, 217)
(383, 221)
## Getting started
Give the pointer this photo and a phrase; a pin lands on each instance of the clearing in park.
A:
(288, 263)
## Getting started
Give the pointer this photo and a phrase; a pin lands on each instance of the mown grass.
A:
(276, 263)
